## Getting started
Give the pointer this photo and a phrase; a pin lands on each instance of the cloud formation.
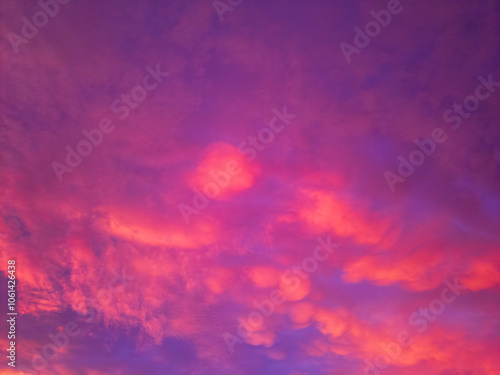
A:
(108, 247)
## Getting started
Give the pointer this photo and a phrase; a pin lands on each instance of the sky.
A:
(239, 187)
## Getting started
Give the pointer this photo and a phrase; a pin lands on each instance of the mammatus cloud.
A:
(175, 180)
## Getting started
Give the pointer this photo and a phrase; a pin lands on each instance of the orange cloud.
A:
(264, 276)
(265, 338)
(219, 279)
(225, 167)
(301, 312)
(332, 323)
(326, 211)
(38, 294)
(409, 268)
(295, 291)
(139, 226)
(483, 274)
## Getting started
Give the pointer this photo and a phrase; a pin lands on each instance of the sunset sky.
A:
(251, 187)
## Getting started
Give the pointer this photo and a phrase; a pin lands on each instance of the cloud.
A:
(109, 249)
